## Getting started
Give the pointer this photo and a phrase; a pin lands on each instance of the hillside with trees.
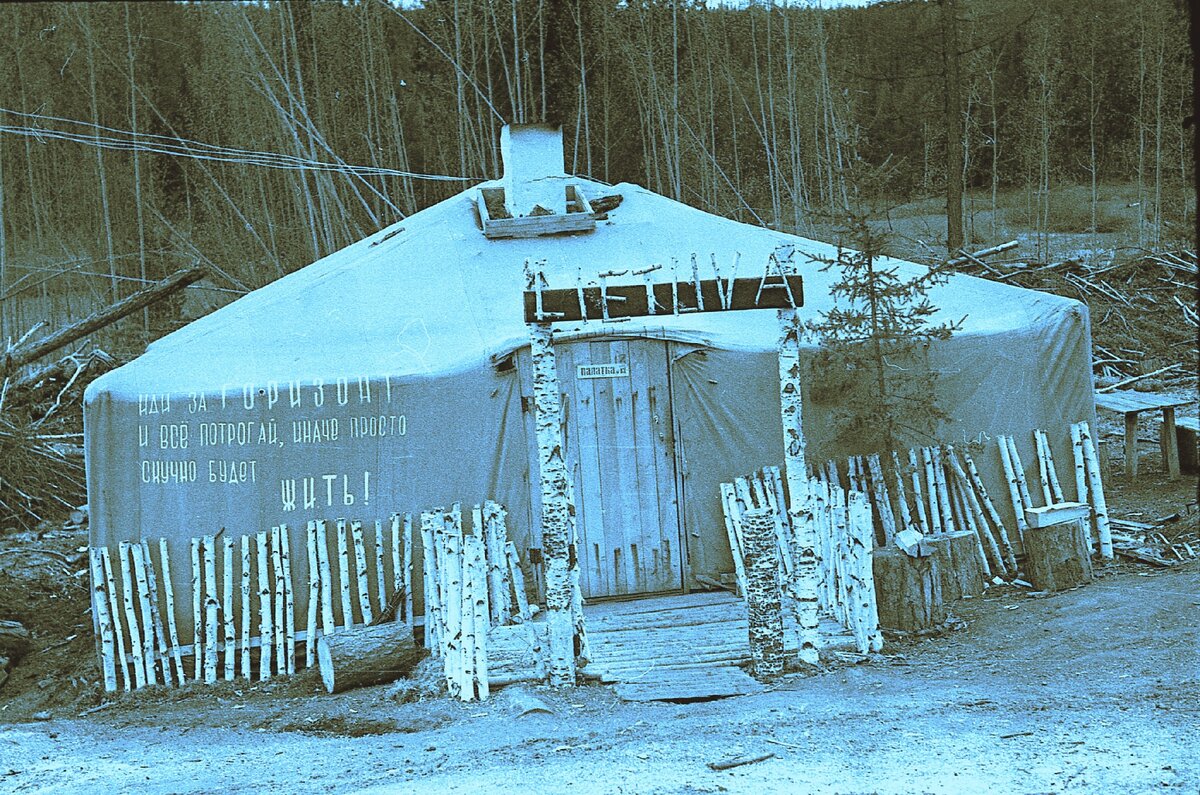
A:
(141, 137)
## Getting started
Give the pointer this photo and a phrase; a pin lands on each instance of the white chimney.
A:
(533, 168)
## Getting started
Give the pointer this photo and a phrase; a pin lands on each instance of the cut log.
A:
(1057, 555)
(959, 569)
(908, 591)
(363, 655)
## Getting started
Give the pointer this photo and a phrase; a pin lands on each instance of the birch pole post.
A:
(1014, 491)
(451, 597)
(806, 580)
(136, 648)
(289, 600)
(197, 613)
(314, 596)
(103, 620)
(918, 495)
(1019, 471)
(1009, 557)
(979, 523)
(1081, 481)
(362, 577)
(433, 604)
(763, 608)
(277, 638)
(556, 509)
(114, 603)
(935, 512)
(156, 614)
(406, 582)
(227, 602)
(1099, 504)
(380, 575)
(211, 609)
(397, 573)
(265, 632)
(169, 598)
(247, 615)
(344, 574)
(882, 498)
(902, 496)
(146, 615)
(943, 492)
(328, 625)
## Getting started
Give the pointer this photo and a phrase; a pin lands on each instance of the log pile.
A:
(248, 618)
(14, 644)
(473, 584)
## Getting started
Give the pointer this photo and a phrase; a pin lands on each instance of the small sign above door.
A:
(613, 370)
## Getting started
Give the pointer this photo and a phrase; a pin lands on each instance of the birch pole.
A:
(197, 613)
(1081, 483)
(918, 496)
(145, 614)
(327, 622)
(763, 608)
(136, 649)
(406, 582)
(169, 598)
(380, 577)
(247, 617)
(344, 574)
(314, 596)
(986, 501)
(1099, 504)
(152, 580)
(556, 510)
(211, 606)
(278, 637)
(805, 580)
(1014, 491)
(289, 600)
(227, 602)
(103, 620)
(264, 610)
(362, 576)
(115, 612)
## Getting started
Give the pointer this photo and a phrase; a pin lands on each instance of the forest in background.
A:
(137, 138)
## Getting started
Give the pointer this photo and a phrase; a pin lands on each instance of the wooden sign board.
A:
(614, 370)
(669, 298)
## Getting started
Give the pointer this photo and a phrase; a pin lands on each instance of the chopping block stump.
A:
(1056, 550)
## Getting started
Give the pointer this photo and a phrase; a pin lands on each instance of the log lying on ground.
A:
(908, 590)
(1057, 556)
(517, 653)
(23, 355)
(366, 655)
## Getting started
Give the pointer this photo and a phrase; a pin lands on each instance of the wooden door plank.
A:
(612, 487)
(624, 451)
(594, 555)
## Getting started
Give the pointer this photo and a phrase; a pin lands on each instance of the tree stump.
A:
(764, 606)
(367, 655)
(960, 571)
(908, 590)
(1056, 549)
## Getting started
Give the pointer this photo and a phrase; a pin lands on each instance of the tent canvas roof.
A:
(431, 295)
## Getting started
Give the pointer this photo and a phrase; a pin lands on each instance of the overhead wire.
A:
(129, 141)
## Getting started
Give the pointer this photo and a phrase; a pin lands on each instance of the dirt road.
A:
(1093, 690)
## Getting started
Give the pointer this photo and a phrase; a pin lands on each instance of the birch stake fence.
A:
(245, 605)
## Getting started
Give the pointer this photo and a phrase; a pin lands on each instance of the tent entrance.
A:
(619, 438)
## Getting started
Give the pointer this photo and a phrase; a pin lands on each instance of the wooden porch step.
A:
(690, 684)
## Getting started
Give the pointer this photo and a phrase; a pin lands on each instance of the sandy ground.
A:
(1091, 690)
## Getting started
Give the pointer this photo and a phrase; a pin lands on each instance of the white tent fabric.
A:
(373, 380)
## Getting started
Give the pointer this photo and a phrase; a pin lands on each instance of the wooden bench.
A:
(1187, 432)
(1131, 404)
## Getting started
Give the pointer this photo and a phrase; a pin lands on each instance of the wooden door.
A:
(618, 436)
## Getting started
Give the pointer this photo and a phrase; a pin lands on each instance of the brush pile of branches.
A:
(40, 474)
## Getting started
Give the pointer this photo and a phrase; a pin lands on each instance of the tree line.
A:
(306, 126)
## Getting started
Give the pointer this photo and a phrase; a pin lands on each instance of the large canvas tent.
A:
(393, 375)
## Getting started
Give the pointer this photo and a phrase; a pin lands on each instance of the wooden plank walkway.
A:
(641, 639)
